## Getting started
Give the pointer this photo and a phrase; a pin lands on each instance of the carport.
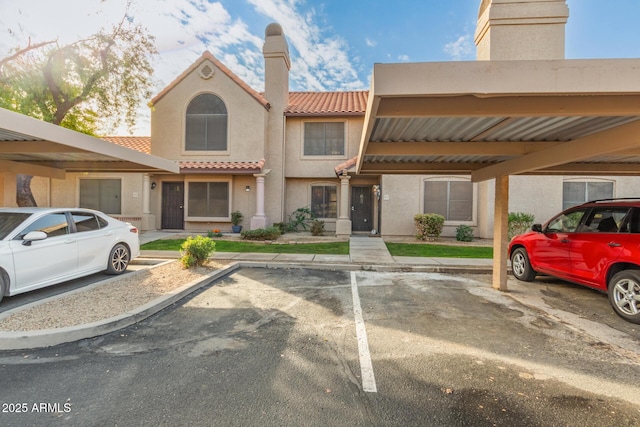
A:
(493, 119)
(33, 147)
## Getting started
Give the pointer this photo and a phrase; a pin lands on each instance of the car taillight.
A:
(134, 230)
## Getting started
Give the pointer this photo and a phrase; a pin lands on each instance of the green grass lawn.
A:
(439, 251)
(335, 248)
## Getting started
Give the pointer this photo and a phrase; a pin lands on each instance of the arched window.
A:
(206, 128)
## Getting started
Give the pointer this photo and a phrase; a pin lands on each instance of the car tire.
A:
(3, 285)
(119, 258)
(521, 266)
(624, 295)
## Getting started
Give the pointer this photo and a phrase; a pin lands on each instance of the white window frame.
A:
(206, 218)
(183, 148)
(474, 201)
(324, 156)
(586, 181)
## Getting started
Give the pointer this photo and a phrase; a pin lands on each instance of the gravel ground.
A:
(102, 302)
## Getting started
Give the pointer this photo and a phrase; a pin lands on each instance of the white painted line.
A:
(366, 367)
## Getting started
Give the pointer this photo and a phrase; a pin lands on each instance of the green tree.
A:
(91, 84)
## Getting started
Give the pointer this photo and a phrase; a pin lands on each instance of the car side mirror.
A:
(33, 236)
(537, 228)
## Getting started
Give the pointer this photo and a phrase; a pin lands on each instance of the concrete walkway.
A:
(363, 250)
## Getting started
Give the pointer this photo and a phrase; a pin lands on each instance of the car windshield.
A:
(9, 221)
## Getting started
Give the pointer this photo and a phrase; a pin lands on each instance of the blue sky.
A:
(333, 43)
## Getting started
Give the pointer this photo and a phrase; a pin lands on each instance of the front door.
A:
(361, 209)
(173, 205)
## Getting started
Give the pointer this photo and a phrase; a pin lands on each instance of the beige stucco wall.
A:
(241, 200)
(298, 195)
(246, 119)
(298, 165)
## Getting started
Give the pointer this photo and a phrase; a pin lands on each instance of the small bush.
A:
(428, 225)
(317, 228)
(300, 218)
(196, 250)
(519, 222)
(270, 233)
(281, 226)
(214, 233)
(464, 233)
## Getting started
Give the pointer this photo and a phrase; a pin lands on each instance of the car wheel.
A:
(624, 295)
(118, 259)
(521, 266)
(3, 285)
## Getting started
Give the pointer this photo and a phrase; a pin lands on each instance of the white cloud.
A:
(403, 58)
(322, 62)
(370, 43)
(460, 49)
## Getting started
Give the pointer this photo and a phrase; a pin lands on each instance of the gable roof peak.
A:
(208, 56)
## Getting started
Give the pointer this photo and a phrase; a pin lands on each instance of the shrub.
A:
(270, 233)
(429, 225)
(281, 226)
(196, 250)
(519, 222)
(464, 233)
(214, 233)
(301, 217)
(317, 228)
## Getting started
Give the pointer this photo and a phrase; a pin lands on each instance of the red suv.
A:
(596, 244)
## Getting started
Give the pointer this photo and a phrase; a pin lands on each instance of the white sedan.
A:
(43, 246)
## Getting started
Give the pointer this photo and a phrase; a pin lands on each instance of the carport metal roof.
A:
(34, 147)
(498, 118)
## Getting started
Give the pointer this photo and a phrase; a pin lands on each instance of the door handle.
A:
(564, 241)
(614, 244)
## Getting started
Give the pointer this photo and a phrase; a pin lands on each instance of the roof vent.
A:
(206, 72)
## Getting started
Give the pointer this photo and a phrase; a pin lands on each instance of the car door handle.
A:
(69, 241)
(614, 244)
(564, 241)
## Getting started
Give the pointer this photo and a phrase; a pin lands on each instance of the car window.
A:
(85, 221)
(9, 221)
(54, 224)
(633, 221)
(605, 220)
(566, 222)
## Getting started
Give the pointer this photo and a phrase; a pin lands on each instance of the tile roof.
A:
(222, 167)
(209, 56)
(327, 103)
(346, 165)
(138, 143)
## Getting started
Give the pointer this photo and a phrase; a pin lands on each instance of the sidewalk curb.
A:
(19, 340)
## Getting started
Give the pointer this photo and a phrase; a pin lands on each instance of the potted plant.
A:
(236, 218)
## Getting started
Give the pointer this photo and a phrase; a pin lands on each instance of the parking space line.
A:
(366, 367)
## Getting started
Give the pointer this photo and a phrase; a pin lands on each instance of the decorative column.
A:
(343, 225)
(146, 187)
(148, 220)
(259, 220)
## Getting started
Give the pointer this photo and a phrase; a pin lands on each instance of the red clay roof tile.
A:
(222, 167)
(138, 143)
(327, 103)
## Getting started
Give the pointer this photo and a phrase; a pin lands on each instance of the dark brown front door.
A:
(361, 209)
(173, 205)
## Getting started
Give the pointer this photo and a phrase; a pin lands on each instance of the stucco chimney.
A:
(276, 91)
(276, 67)
(521, 29)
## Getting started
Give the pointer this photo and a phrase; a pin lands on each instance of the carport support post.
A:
(500, 233)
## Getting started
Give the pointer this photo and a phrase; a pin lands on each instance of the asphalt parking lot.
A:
(273, 347)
